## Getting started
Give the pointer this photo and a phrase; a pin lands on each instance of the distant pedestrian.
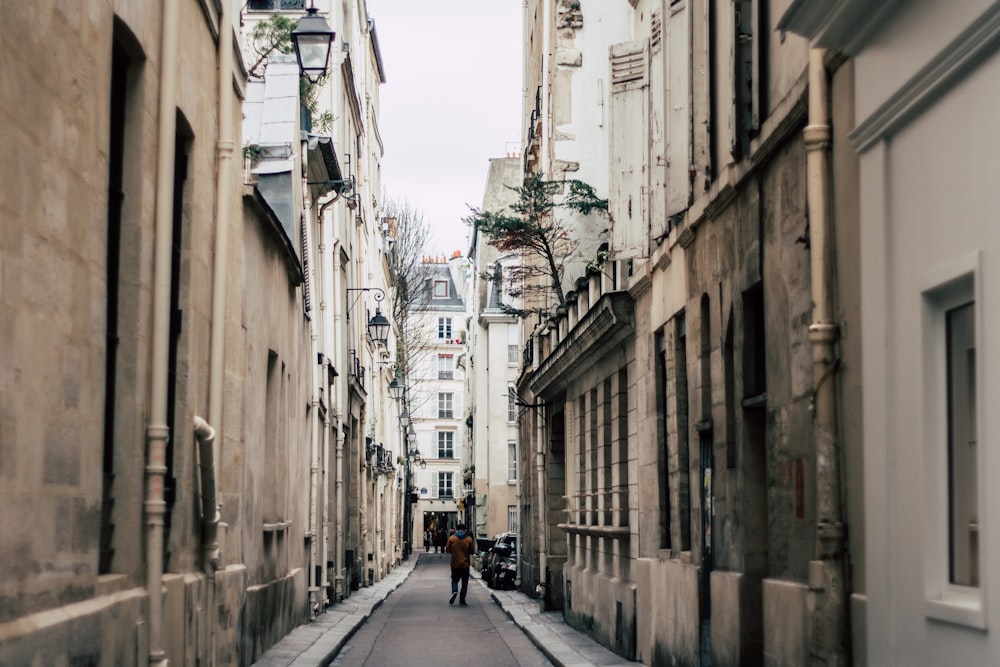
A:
(440, 538)
(461, 546)
(427, 540)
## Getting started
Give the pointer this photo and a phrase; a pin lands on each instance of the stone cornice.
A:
(606, 324)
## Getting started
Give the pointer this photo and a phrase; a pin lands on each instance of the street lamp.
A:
(378, 325)
(404, 419)
(312, 38)
(396, 389)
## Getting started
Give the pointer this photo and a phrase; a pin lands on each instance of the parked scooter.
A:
(503, 567)
(506, 574)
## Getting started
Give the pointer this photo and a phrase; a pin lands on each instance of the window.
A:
(511, 404)
(513, 355)
(953, 473)
(511, 461)
(446, 444)
(963, 519)
(662, 431)
(513, 346)
(446, 367)
(511, 518)
(445, 485)
(440, 289)
(445, 406)
(444, 328)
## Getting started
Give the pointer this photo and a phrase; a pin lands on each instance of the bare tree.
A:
(410, 236)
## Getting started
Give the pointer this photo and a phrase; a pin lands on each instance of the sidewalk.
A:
(319, 642)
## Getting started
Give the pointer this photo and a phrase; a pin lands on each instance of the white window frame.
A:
(444, 328)
(446, 367)
(446, 403)
(512, 461)
(512, 522)
(511, 404)
(445, 441)
(945, 287)
(445, 480)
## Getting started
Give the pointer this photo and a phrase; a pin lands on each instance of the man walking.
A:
(461, 546)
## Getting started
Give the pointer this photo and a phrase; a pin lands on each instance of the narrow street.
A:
(416, 626)
(405, 619)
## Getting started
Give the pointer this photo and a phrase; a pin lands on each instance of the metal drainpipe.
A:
(212, 555)
(826, 572)
(543, 561)
(340, 352)
(223, 203)
(157, 430)
(328, 340)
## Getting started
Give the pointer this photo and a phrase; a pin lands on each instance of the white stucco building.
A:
(494, 359)
(437, 403)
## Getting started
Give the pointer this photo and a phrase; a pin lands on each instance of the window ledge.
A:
(959, 608)
(278, 527)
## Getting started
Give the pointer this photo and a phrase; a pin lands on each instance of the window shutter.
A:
(657, 127)
(629, 150)
(306, 241)
(679, 109)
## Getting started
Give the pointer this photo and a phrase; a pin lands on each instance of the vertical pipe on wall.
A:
(216, 376)
(157, 429)
(826, 572)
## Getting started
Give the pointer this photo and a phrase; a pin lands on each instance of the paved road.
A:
(405, 620)
(417, 627)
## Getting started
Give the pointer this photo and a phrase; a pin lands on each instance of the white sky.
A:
(451, 101)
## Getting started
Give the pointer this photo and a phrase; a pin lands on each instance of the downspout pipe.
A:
(208, 453)
(157, 429)
(210, 517)
(827, 571)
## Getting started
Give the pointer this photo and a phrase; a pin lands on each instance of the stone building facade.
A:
(178, 464)
(695, 405)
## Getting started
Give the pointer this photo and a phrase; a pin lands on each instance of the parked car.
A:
(503, 546)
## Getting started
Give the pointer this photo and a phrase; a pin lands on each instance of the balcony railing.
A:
(276, 5)
(446, 375)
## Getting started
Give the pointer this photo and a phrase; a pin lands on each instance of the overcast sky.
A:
(451, 101)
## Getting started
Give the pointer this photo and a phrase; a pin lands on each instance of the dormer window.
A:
(440, 289)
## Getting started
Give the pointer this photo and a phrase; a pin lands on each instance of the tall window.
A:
(445, 406)
(444, 328)
(511, 404)
(440, 289)
(446, 444)
(662, 429)
(513, 346)
(446, 488)
(963, 516)
(512, 518)
(446, 367)
(511, 461)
